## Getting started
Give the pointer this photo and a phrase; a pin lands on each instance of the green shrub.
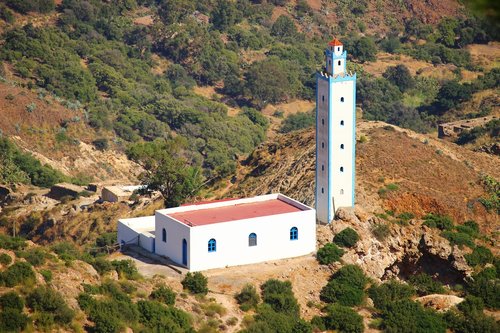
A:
(381, 231)
(126, 269)
(102, 265)
(479, 256)
(471, 304)
(458, 238)
(469, 227)
(66, 251)
(101, 144)
(12, 320)
(279, 295)
(247, 298)
(341, 293)
(471, 323)
(425, 284)
(297, 121)
(388, 292)
(18, 273)
(36, 257)
(347, 238)
(5, 259)
(12, 243)
(163, 319)
(438, 221)
(408, 316)
(45, 299)
(163, 294)
(343, 319)
(329, 253)
(196, 283)
(11, 300)
(487, 289)
(351, 275)
(47, 275)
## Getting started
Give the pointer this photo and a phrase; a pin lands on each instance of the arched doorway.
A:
(184, 252)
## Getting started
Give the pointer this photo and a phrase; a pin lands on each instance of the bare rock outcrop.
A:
(441, 303)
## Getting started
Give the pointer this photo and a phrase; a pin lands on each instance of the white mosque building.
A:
(250, 230)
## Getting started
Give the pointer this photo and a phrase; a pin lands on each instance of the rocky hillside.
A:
(396, 170)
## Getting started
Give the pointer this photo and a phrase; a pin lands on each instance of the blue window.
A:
(252, 239)
(294, 233)
(212, 245)
(164, 235)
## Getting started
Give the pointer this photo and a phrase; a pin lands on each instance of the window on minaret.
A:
(341, 169)
(342, 99)
(339, 62)
(338, 48)
(322, 121)
(341, 123)
(342, 146)
(212, 245)
(322, 145)
(341, 191)
(329, 62)
(322, 190)
(323, 98)
(323, 167)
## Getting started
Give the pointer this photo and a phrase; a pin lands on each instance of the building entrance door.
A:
(184, 252)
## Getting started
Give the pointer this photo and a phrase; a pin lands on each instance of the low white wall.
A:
(130, 232)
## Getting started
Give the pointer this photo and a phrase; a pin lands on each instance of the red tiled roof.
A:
(207, 202)
(234, 212)
(335, 42)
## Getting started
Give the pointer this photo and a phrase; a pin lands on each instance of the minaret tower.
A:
(335, 134)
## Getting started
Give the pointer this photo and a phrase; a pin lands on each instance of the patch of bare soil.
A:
(485, 55)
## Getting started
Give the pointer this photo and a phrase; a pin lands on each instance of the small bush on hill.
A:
(163, 294)
(12, 320)
(485, 288)
(126, 269)
(5, 259)
(11, 300)
(102, 265)
(298, 121)
(279, 295)
(12, 243)
(66, 251)
(45, 299)
(425, 284)
(438, 221)
(347, 238)
(471, 304)
(164, 319)
(329, 253)
(36, 257)
(343, 319)
(479, 256)
(408, 316)
(47, 275)
(351, 274)
(247, 298)
(469, 227)
(458, 238)
(18, 273)
(196, 283)
(381, 231)
(345, 294)
(388, 292)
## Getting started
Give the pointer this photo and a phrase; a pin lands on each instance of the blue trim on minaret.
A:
(354, 143)
(317, 134)
(329, 198)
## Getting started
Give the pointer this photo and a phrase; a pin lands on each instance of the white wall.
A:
(176, 232)
(342, 134)
(322, 97)
(273, 240)
(129, 231)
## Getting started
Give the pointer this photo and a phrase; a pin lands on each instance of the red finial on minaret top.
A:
(335, 42)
